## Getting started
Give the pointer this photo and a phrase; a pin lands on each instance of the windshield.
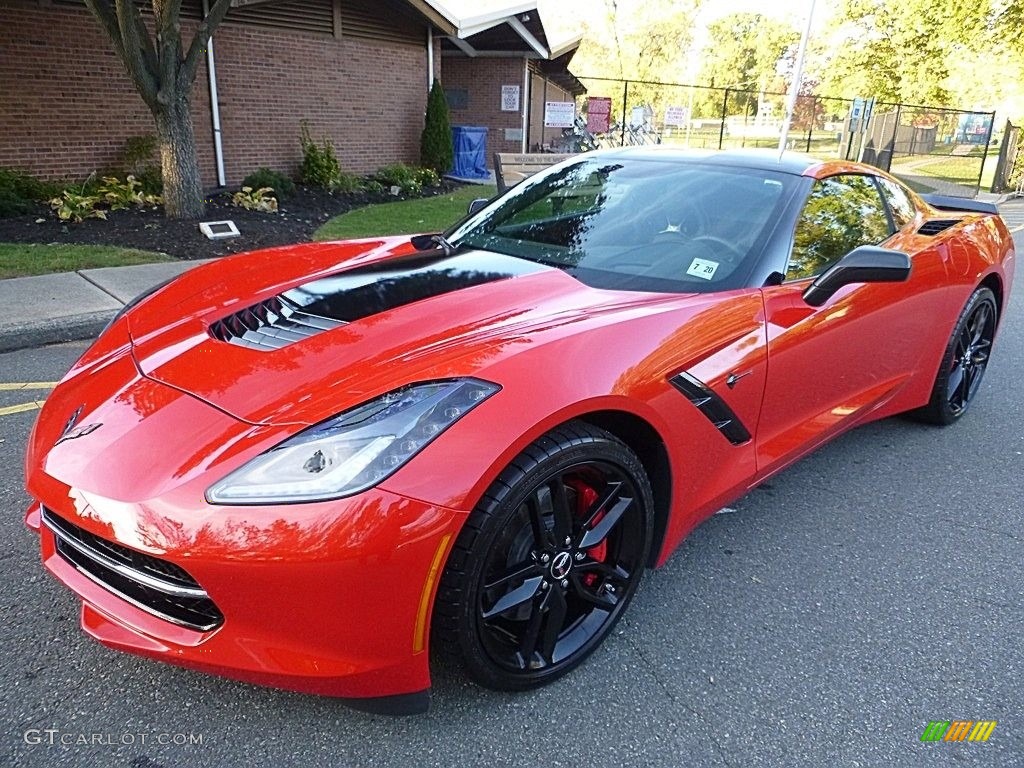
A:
(672, 226)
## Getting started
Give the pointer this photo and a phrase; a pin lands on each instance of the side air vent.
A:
(712, 406)
(935, 226)
(271, 324)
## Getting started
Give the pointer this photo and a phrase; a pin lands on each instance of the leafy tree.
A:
(436, 151)
(163, 70)
(746, 52)
(903, 51)
(638, 40)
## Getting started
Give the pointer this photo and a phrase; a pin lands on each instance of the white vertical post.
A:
(526, 104)
(430, 57)
(798, 75)
(211, 71)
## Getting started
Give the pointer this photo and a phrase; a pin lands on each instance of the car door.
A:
(830, 365)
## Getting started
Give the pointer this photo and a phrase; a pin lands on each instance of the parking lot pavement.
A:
(823, 621)
(1012, 212)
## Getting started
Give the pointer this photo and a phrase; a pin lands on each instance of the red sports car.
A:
(305, 466)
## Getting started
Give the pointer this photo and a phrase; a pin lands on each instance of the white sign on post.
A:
(510, 98)
(559, 114)
(677, 115)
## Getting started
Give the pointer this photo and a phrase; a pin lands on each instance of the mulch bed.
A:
(299, 216)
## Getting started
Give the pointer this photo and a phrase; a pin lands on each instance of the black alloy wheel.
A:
(965, 360)
(548, 561)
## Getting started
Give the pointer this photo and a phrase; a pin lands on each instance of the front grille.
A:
(935, 226)
(154, 585)
(273, 323)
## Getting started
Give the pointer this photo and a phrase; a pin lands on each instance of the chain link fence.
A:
(933, 149)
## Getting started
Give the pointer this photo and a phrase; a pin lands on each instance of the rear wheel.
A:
(965, 360)
(547, 562)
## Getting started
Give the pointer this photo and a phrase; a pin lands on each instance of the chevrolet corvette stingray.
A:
(310, 466)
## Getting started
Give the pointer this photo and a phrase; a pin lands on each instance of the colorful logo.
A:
(958, 730)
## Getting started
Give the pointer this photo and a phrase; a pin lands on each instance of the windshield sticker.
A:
(703, 268)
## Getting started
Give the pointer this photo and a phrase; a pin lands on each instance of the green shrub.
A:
(124, 194)
(13, 204)
(436, 150)
(320, 167)
(75, 206)
(399, 175)
(348, 182)
(20, 192)
(281, 185)
(261, 199)
(427, 177)
(372, 187)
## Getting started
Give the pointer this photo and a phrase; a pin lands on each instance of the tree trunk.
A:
(183, 189)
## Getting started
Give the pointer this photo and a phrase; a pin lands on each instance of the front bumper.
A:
(331, 599)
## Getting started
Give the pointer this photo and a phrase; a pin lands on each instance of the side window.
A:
(900, 206)
(841, 213)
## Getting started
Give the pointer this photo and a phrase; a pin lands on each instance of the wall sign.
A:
(510, 98)
(559, 114)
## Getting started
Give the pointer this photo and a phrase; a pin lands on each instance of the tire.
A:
(547, 562)
(964, 361)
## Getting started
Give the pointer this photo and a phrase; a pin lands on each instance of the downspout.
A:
(430, 57)
(526, 104)
(211, 71)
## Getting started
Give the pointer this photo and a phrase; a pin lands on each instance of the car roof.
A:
(794, 163)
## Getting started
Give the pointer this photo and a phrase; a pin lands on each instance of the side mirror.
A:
(477, 205)
(865, 264)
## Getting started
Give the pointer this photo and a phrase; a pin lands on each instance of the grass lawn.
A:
(408, 217)
(21, 259)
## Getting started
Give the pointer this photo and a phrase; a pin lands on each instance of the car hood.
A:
(295, 335)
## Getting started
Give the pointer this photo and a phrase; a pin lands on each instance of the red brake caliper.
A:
(585, 498)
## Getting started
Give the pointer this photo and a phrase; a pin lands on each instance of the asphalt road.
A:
(875, 586)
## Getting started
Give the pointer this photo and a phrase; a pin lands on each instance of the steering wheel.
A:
(723, 248)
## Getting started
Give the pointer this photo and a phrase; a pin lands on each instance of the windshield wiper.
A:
(437, 240)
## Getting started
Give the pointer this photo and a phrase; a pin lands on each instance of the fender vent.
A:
(271, 324)
(935, 226)
(714, 408)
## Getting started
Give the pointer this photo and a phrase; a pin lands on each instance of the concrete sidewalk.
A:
(77, 305)
(73, 305)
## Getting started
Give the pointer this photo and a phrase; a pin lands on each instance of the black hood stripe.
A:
(346, 297)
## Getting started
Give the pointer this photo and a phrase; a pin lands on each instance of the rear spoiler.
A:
(947, 203)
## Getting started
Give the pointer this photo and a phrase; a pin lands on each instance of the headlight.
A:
(355, 450)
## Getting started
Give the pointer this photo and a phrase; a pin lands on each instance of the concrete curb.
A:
(54, 331)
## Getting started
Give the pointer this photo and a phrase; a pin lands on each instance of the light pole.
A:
(798, 74)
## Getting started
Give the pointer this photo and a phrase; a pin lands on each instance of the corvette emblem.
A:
(71, 432)
(561, 565)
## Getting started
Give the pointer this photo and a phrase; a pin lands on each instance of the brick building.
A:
(357, 70)
(505, 52)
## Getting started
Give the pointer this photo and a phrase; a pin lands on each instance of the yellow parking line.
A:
(7, 386)
(20, 408)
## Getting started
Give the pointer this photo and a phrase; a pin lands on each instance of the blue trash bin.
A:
(470, 144)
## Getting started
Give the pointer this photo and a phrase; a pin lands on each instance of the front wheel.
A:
(548, 561)
(965, 360)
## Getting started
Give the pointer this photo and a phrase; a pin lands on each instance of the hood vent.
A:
(354, 294)
(935, 226)
(271, 324)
